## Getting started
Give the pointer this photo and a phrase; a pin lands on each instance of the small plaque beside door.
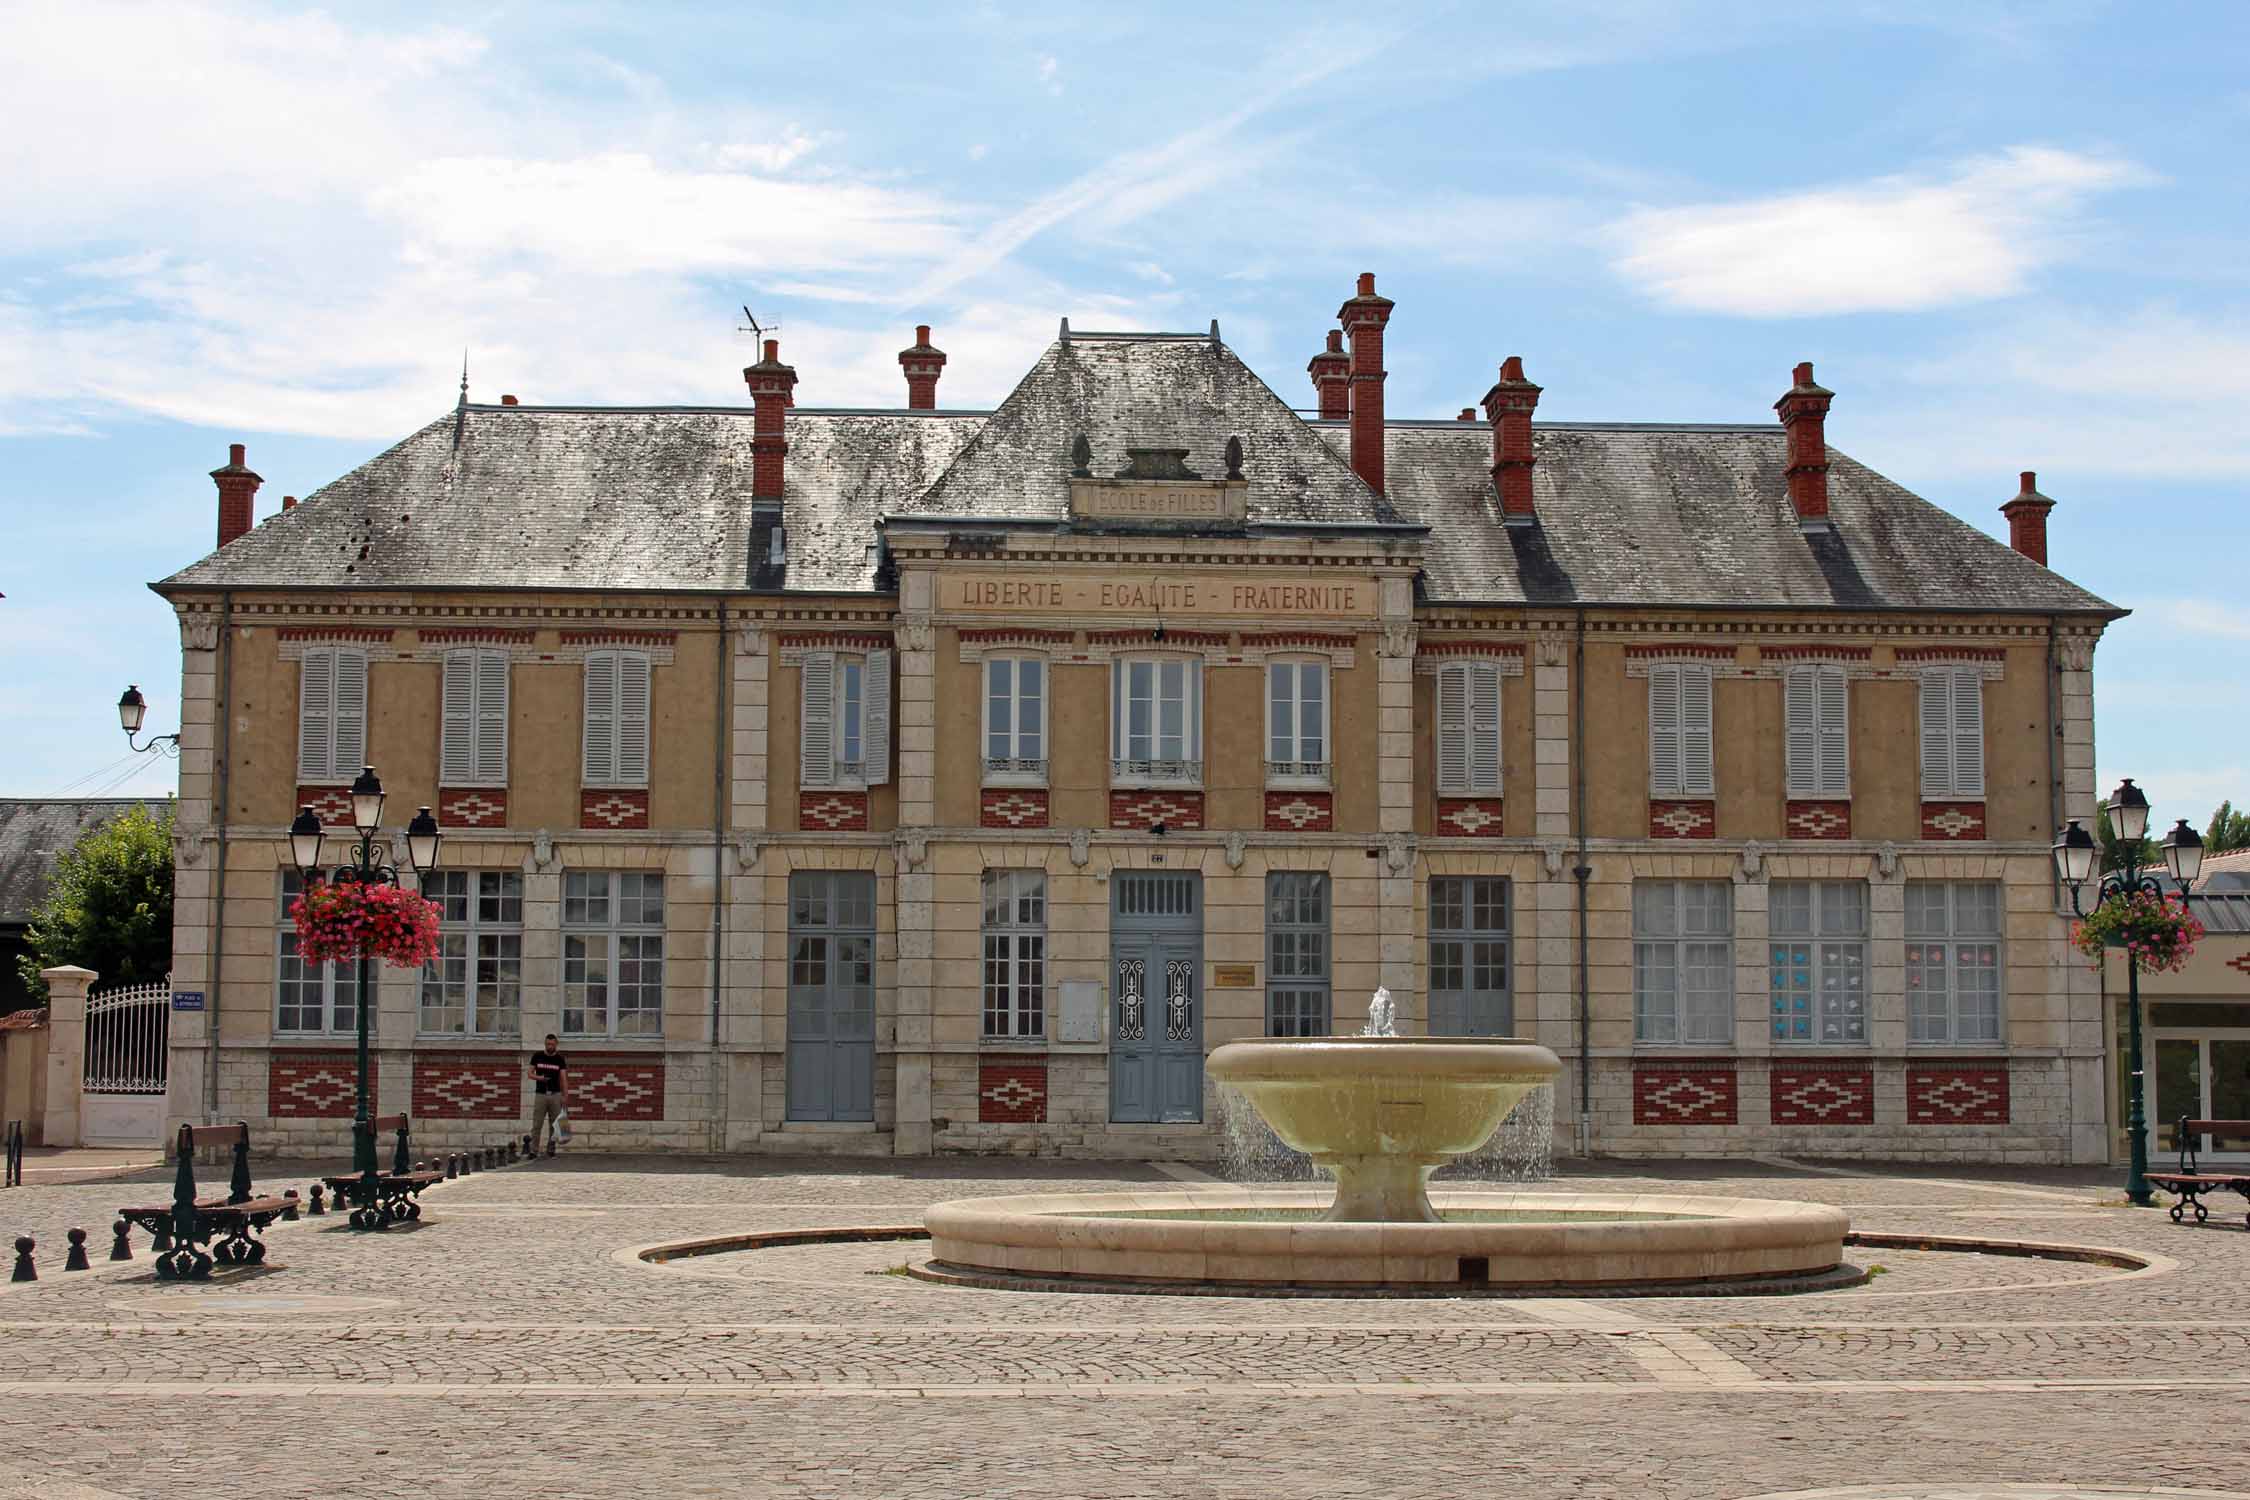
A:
(1234, 976)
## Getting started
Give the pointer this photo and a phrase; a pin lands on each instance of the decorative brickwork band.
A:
(1683, 820)
(1818, 820)
(318, 1085)
(468, 1085)
(616, 1086)
(1823, 1091)
(1469, 817)
(1684, 1091)
(473, 807)
(612, 807)
(1012, 807)
(1953, 821)
(1300, 812)
(1146, 808)
(488, 635)
(833, 812)
(2240, 961)
(333, 804)
(1012, 1093)
(1972, 1091)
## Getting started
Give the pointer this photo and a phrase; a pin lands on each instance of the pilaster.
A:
(1550, 737)
(746, 803)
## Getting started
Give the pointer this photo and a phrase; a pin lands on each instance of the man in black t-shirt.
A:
(547, 1069)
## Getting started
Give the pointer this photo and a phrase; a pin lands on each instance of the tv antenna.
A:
(757, 331)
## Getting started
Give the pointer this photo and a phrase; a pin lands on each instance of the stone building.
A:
(930, 780)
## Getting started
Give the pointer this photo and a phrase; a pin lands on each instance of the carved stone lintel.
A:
(1753, 860)
(199, 635)
(1398, 638)
(1550, 651)
(915, 633)
(1081, 846)
(1238, 848)
(2075, 652)
(1886, 860)
(1552, 856)
(1398, 852)
(914, 846)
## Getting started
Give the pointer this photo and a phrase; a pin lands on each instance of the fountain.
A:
(1381, 1112)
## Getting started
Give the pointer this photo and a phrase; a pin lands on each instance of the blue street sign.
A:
(187, 999)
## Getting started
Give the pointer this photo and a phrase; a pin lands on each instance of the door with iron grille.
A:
(1469, 978)
(1156, 998)
(831, 995)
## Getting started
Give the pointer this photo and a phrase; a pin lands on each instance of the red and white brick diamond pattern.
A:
(1012, 807)
(1684, 1094)
(598, 808)
(1012, 1093)
(1968, 1094)
(2240, 961)
(1819, 820)
(1683, 820)
(832, 812)
(1146, 809)
(1822, 1095)
(617, 1088)
(332, 803)
(468, 1085)
(315, 1085)
(1300, 812)
(1953, 820)
(1469, 818)
(461, 807)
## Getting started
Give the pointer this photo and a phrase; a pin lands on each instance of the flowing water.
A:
(1521, 1150)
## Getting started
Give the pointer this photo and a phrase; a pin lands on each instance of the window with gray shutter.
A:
(844, 722)
(1953, 733)
(616, 720)
(1814, 701)
(331, 714)
(1468, 729)
(1679, 730)
(473, 746)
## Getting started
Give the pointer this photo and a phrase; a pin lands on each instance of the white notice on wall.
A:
(1081, 1019)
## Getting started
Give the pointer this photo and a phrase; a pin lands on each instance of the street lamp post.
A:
(365, 867)
(132, 708)
(2076, 855)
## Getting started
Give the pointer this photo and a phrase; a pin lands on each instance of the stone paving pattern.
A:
(512, 1343)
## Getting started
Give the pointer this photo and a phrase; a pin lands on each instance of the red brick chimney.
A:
(1363, 318)
(1331, 371)
(2027, 520)
(1508, 406)
(1468, 414)
(1804, 416)
(237, 487)
(923, 364)
(288, 502)
(771, 383)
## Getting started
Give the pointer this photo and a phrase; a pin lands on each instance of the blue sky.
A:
(2009, 236)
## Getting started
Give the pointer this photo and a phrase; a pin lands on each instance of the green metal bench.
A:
(2191, 1183)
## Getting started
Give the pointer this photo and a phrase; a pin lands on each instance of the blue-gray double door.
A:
(831, 995)
(1156, 998)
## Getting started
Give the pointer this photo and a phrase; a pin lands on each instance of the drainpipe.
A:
(1582, 872)
(223, 714)
(2054, 739)
(720, 725)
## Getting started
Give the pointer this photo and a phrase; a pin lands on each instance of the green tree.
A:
(2148, 856)
(2229, 830)
(109, 906)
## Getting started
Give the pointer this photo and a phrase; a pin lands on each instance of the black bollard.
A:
(511, 1150)
(319, 1204)
(468, 1163)
(76, 1260)
(452, 1165)
(289, 1214)
(121, 1242)
(25, 1271)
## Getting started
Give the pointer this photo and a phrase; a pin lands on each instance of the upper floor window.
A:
(1679, 730)
(1297, 721)
(1468, 729)
(473, 742)
(844, 731)
(1015, 954)
(1819, 755)
(331, 714)
(1953, 732)
(1683, 961)
(1819, 950)
(1297, 975)
(474, 987)
(616, 719)
(308, 997)
(1156, 720)
(613, 953)
(1953, 961)
(1015, 718)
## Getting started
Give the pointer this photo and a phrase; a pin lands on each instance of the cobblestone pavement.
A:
(513, 1342)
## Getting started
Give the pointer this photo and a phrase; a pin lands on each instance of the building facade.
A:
(930, 780)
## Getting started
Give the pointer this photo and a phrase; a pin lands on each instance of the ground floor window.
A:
(1469, 989)
(474, 987)
(1818, 982)
(1683, 962)
(1953, 961)
(1015, 954)
(613, 953)
(1297, 975)
(310, 998)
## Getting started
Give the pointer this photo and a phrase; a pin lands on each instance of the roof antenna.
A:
(757, 331)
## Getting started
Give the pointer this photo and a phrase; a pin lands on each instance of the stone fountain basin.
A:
(1067, 1236)
(1422, 1097)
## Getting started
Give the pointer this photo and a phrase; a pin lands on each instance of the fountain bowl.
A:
(1383, 1112)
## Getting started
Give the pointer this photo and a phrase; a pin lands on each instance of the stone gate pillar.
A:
(66, 1049)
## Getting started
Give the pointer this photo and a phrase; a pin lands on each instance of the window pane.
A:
(1789, 908)
(1655, 992)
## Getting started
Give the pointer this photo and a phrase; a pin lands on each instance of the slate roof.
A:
(1635, 514)
(1144, 390)
(34, 831)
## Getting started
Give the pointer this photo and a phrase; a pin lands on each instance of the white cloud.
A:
(1149, 270)
(1049, 69)
(2205, 617)
(1892, 244)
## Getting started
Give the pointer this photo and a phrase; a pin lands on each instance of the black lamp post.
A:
(2076, 855)
(132, 708)
(366, 867)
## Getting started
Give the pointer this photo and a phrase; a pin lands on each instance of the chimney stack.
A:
(1508, 406)
(771, 383)
(288, 502)
(1363, 318)
(2027, 519)
(237, 487)
(508, 401)
(1468, 414)
(923, 364)
(1331, 371)
(1804, 416)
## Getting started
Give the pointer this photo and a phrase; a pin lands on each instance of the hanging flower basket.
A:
(2158, 932)
(343, 921)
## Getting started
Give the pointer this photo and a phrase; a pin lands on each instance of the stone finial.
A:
(1234, 458)
(1081, 458)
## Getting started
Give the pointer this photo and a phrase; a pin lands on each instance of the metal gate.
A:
(128, 1034)
(1156, 1009)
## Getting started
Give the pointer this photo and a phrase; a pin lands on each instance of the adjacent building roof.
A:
(33, 832)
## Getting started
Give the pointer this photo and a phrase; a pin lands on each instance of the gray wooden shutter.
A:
(1968, 733)
(350, 752)
(816, 729)
(1484, 728)
(1664, 731)
(601, 718)
(1800, 702)
(632, 718)
(875, 732)
(1695, 731)
(1937, 734)
(1835, 733)
(316, 715)
(457, 720)
(1453, 729)
(492, 718)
